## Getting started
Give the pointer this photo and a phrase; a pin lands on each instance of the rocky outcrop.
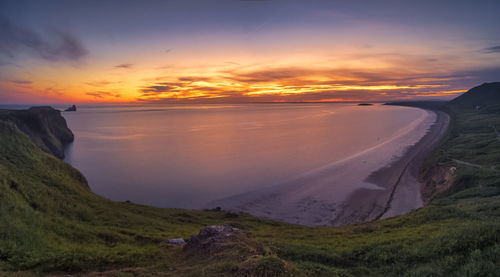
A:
(71, 109)
(213, 240)
(177, 241)
(227, 243)
(44, 125)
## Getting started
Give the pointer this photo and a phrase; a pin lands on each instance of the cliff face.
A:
(44, 125)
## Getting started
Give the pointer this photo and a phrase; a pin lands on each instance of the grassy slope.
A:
(51, 222)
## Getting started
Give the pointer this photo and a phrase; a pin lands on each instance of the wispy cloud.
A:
(62, 46)
(493, 49)
(124, 65)
(22, 82)
(157, 89)
(101, 83)
(296, 83)
(193, 79)
(103, 94)
(303, 76)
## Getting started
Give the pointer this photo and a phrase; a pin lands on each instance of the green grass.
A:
(51, 222)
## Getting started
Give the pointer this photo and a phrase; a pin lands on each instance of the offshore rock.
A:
(71, 109)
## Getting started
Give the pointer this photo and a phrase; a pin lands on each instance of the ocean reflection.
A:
(188, 155)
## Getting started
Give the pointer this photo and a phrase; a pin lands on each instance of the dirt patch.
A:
(435, 180)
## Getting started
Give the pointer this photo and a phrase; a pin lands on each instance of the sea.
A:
(186, 156)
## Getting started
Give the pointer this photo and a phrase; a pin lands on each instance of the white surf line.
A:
(402, 132)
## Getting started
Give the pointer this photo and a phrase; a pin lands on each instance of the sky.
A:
(243, 51)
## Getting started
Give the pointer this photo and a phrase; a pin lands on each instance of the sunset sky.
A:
(245, 51)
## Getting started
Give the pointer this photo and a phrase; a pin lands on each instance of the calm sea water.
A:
(185, 156)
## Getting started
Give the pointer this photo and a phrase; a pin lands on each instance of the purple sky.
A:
(245, 51)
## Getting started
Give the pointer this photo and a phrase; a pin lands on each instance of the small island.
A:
(365, 104)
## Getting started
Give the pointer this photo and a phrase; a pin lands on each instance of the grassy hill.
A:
(50, 222)
(483, 97)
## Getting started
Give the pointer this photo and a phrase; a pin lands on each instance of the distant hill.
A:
(426, 104)
(485, 96)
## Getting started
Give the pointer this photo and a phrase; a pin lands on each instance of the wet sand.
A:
(400, 177)
(379, 182)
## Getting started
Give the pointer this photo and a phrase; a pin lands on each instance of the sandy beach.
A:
(378, 182)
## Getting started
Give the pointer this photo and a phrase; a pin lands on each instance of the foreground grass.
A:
(51, 222)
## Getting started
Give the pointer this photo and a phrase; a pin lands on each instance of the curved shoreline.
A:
(417, 156)
(400, 176)
(361, 189)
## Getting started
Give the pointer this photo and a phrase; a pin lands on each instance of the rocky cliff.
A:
(44, 125)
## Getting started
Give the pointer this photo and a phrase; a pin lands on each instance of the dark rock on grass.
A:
(217, 239)
(177, 241)
(229, 245)
(213, 239)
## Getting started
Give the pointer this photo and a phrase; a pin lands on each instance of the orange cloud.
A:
(280, 83)
(346, 77)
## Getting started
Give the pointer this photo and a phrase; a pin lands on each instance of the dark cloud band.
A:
(62, 46)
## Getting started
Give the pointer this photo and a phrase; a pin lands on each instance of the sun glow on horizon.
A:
(320, 56)
(242, 81)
